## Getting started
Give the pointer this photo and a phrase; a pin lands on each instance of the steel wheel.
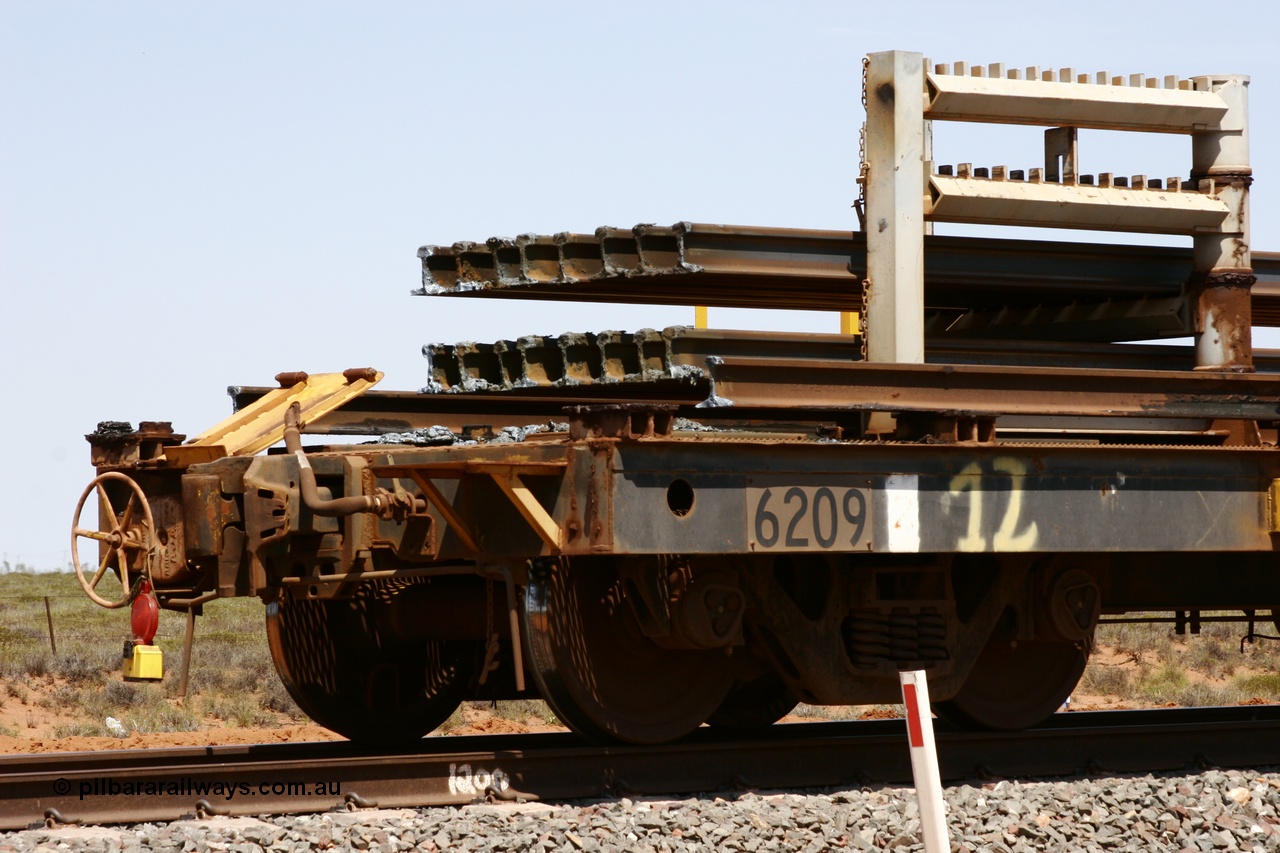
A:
(129, 543)
(599, 673)
(364, 686)
(1013, 686)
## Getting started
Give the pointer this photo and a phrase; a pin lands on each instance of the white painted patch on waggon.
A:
(902, 512)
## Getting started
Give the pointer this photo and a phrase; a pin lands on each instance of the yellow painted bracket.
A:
(539, 519)
(506, 475)
(261, 424)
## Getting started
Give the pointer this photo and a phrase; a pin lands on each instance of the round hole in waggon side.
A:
(680, 497)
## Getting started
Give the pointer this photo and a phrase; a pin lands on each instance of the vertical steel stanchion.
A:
(53, 644)
(186, 655)
(924, 762)
(895, 207)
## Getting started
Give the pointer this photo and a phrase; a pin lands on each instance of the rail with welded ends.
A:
(1115, 292)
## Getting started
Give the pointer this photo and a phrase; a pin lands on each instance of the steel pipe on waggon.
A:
(335, 507)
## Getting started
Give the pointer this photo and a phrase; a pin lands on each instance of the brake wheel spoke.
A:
(108, 511)
(127, 518)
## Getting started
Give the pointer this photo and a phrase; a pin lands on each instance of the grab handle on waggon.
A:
(382, 502)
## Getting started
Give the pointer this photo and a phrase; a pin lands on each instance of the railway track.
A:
(157, 785)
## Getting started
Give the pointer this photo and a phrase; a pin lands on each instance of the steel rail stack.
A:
(781, 268)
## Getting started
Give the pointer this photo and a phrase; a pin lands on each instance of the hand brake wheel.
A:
(129, 542)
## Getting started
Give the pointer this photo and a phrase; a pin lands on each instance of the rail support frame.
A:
(1213, 110)
(895, 207)
(1223, 269)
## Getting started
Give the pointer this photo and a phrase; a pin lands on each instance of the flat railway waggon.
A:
(654, 530)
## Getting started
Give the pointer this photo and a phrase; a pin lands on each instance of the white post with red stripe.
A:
(924, 762)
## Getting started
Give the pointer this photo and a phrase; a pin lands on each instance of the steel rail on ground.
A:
(166, 784)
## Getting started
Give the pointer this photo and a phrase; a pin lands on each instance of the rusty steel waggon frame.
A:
(657, 529)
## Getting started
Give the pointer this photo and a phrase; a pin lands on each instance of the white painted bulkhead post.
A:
(895, 153)
(1223, 274)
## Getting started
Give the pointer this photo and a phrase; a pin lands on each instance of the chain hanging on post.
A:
(862, 319)
(860, 206)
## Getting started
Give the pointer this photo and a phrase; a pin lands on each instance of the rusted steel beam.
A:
(747, 267)
(383, 412)
(667, 265)
(1113, 320)
(678, 354)
(387, 413)
(833, 386)
(500, 404)
(1052, 353)
(674, 355)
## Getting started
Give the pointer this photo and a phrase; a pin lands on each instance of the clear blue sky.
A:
(198, 195)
